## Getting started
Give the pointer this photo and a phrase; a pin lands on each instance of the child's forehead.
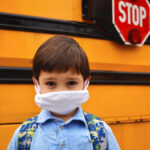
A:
(58, 74)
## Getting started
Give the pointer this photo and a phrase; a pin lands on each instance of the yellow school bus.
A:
(120, 84)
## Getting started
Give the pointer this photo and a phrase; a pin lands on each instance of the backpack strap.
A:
(97, 131)
(26, 133)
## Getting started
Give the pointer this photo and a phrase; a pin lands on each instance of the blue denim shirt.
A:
(53, 134)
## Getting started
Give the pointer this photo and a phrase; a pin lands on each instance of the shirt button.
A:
(57, 120)
(62, 127)
(63, 144)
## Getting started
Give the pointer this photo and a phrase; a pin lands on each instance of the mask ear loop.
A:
(37, 87)
(86, 84)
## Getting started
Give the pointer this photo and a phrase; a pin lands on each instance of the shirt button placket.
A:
(63, 144)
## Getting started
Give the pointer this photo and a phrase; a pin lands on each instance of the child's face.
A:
(65, 81)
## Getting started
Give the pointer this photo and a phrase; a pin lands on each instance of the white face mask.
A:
(61, 102)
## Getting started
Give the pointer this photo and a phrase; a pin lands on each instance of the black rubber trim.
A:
(11, 123)
(45, 25)
(17, 22)
(119, 78)
(15, 75)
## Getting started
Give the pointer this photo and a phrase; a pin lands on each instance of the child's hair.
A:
(60, 53)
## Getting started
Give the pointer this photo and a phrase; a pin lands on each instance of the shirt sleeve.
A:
(111, 140)
(13, 145)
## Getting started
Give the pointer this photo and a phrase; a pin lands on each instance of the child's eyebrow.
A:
(50, 78)
(72, 78)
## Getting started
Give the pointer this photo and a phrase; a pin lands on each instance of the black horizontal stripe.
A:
(18, 75)
(120, 78)
(11, 21)
(11, 123)
(46, 25)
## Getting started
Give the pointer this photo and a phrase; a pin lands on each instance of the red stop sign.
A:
(129, 15)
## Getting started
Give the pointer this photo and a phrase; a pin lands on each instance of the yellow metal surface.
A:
(133, 136)
(118, 101)
(17, 103)
(22, 62)
(43, 8)
(112, 103)
(6, 134)
(103, 54)
(108, 102)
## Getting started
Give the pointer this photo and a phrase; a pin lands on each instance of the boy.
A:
(61, 75)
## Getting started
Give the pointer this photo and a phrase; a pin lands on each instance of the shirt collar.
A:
(45, 115)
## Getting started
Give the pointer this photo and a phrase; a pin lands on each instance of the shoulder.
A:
(26, 133)
(97, 130)
(111, 140)
(108, 130)
(95, 123)
(29, 123)
(93, 120)
(13, 145)
(104, 130)
(91, 116)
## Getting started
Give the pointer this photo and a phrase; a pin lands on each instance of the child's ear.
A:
(34, 81)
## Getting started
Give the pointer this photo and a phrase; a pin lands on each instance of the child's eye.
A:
(71, 83)
(51, 83)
